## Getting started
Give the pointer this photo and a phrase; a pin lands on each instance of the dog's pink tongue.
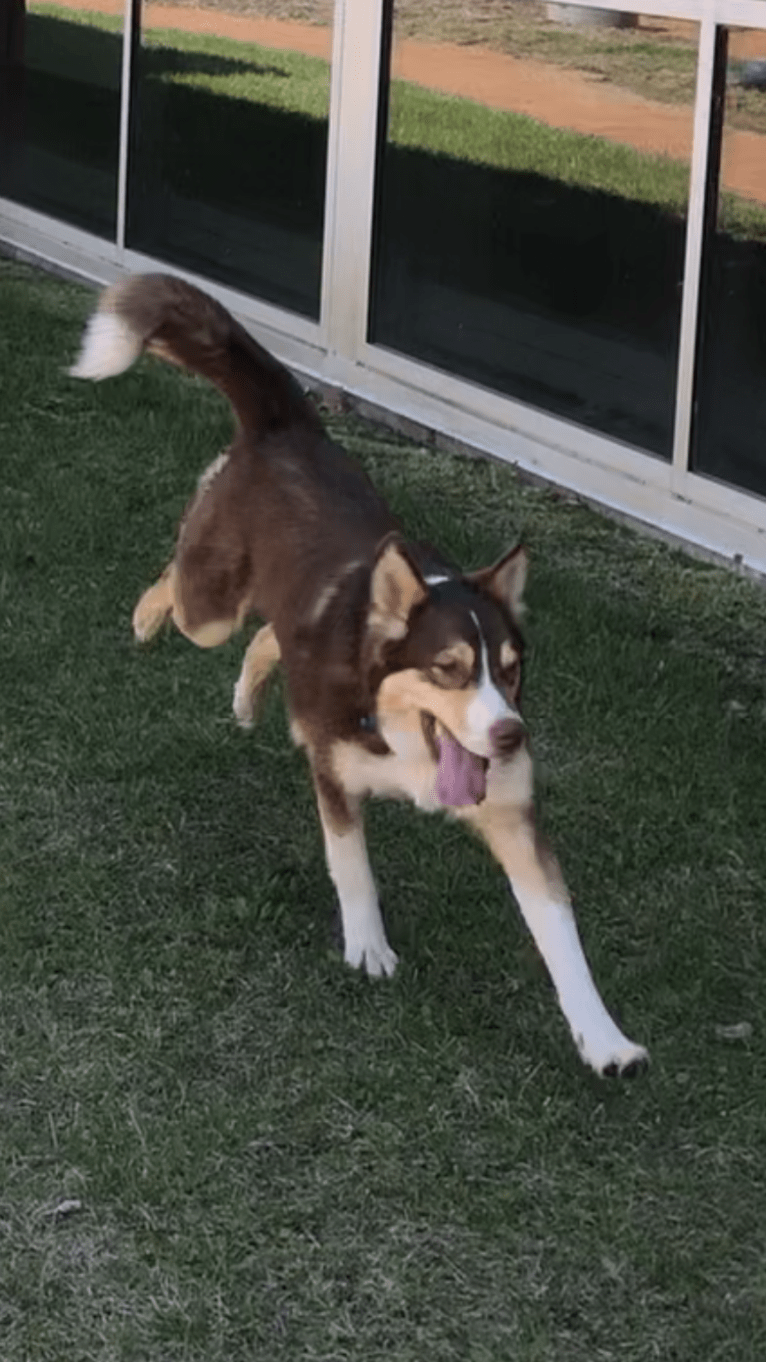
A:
(461, 776)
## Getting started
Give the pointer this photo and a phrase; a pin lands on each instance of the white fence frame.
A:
(714, 517)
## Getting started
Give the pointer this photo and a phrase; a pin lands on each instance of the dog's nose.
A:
(507, 736)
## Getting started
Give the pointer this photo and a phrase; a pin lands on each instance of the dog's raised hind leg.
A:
(542, 897)
(154, 608)
(261, 658)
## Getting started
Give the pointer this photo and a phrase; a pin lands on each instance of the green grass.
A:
(282, 80)
(442, 125)
(263, 1155)
(466, 131)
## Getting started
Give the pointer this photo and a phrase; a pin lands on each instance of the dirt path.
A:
(565, 98)
(556, 95)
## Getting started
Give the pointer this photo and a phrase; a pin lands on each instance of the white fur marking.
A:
(323, 600)
(109, 346)
(212, 471)
(409, 773)
(332, 588)
(508, 654)
(437, 579)
(488, 705)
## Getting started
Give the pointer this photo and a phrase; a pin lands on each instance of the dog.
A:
(403, 674)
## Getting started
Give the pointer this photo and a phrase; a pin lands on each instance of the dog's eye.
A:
(511, 673)
(448, 671)
(510, 665)
(451, 673)
(452, 667)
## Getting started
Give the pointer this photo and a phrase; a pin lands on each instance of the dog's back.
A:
(282, 485)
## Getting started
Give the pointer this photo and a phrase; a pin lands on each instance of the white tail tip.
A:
(108, 347)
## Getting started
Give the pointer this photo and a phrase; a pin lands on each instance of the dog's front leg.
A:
(541, 894)
(364, 935)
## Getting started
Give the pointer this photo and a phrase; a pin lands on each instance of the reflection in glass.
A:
(730, 427)
(229, 146)
(60, 67)
(531, 199)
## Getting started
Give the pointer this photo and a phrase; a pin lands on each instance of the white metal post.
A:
(125, 93)
(693, 254)
(350, 175)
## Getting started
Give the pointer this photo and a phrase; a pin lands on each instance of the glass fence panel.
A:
(730, 425)
(532, 189)
(229, 143)
(60, 72)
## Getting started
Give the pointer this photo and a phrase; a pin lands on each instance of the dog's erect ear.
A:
(396, 587)
(506, 580)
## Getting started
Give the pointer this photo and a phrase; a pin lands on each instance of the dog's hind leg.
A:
(259, 661)
(364, 935)
(154, 608)
(542, 897)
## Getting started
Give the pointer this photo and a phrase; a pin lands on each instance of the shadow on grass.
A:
(159, 60)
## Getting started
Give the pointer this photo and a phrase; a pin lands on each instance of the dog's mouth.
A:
(461, 776)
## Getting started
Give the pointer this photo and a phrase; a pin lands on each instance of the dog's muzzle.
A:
(507, 737)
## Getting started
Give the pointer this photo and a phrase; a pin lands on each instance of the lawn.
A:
(218, 1143)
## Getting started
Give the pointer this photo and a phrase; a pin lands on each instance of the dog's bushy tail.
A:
(180, 323)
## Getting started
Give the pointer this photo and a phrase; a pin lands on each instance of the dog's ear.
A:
(506, 580)
(396, 588)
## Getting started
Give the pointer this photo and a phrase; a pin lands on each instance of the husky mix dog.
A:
(403, 674)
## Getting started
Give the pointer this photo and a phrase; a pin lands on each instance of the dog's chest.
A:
(408, 772)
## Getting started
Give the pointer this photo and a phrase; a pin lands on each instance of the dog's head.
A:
(450, 651)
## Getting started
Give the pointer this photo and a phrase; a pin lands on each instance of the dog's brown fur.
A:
(403, 675)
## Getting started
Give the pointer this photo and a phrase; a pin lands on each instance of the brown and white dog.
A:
(403, 674)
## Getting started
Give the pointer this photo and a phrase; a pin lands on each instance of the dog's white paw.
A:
(151, 612)
(613, 1055)
(147, 621)
(243, 705)
(375, 956)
